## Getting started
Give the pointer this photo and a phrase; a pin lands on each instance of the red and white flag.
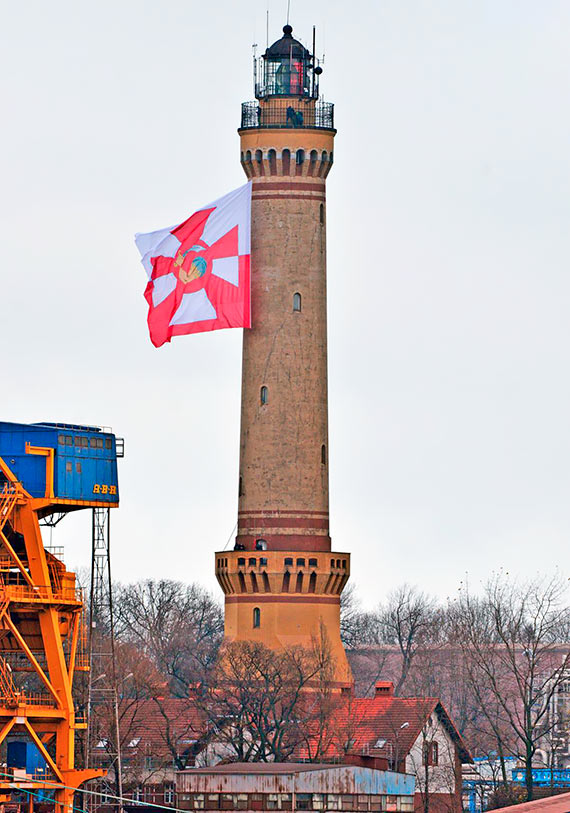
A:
(199, 271)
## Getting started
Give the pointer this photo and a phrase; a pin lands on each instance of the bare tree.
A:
(178, 626)
(410, 620)
(509, 638)
(259, 709)
(357, 627)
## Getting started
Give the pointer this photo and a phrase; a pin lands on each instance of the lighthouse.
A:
(282, 582)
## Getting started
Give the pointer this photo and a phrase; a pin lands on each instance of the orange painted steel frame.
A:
(40, 618)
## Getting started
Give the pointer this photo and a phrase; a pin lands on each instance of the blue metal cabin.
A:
(85, 460)
(25, 756)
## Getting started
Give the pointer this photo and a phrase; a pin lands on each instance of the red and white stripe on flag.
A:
(199, 271)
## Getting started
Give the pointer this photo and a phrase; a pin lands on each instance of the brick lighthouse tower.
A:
(282, 583)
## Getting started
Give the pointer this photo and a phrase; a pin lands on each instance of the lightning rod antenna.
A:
(314, 58)
(267, 26)
(288, 10)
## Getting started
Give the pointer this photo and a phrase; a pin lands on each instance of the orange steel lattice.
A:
(41, 644)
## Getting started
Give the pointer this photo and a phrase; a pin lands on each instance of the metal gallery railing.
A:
(287, 113)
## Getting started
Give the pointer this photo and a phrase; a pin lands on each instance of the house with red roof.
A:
(408, 735)
(412, 735)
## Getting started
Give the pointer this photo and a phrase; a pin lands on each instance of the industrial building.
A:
(291, 786)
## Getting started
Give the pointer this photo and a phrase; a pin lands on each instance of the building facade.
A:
(289, 786)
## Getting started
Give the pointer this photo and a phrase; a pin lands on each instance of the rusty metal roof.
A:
(263, 767)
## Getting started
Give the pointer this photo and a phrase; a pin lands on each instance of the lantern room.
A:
(287, 69)
(286, 80)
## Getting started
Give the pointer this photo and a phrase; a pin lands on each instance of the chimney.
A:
(384, 688)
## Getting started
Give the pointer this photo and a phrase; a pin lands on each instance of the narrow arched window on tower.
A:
(324, 455)
(286, 158)
(256, 617)
(297, 303)
(322, 214)
(263, 396)
(313, 164)
(240, 487)
(300, 156)
(272, 158)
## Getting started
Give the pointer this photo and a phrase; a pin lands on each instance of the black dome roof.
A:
(287, 46)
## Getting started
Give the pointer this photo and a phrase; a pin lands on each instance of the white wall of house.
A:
(440, 777)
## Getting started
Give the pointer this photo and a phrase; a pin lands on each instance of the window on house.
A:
(78, 466)
(61, 439)
(252, 562)
(323, 455)
(297, 303)
(300, 563)
(256, 617)
(312, 563)
(68, 440)
(431, 753)
(262, 561)
(68, 466)
(169, 795)
(288, 562)
(263, 395)
(77, 440)
(241, 562)
(108, 443)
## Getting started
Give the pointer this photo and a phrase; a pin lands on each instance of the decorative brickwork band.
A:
(294, 162)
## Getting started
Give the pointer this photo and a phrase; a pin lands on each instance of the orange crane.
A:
(45, 470)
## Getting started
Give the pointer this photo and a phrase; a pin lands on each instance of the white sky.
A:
(448, 249)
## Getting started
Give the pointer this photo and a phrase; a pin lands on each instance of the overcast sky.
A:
(448, 249)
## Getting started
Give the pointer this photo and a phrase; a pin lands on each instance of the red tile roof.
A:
(386, 726)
